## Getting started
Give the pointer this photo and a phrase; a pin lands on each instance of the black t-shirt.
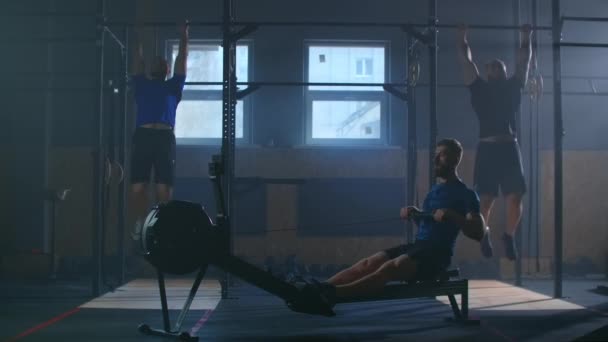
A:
(496, 103)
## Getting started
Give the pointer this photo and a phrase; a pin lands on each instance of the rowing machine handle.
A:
(419, 215)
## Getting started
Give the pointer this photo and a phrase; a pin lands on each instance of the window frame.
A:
(346, 95)
(214, 95)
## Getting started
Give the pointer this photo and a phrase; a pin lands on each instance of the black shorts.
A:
(153, 149)
(498, 167)
(430, 260)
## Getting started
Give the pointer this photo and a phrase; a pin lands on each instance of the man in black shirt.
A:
(498, 164)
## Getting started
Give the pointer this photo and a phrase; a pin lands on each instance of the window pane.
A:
(346, 64)
(369, 67)
(205, 64)
(364, 67)
(203, 119)
(346, 120)
(359, 67)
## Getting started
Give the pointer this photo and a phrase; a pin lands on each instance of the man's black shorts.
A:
(498, 167)
(153, 149)
(430, 260)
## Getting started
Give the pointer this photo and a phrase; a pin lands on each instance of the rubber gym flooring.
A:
(64, 311)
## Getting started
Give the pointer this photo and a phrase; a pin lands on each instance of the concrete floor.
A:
(64, 311)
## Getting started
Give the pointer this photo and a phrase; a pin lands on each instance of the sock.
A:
(510, 248)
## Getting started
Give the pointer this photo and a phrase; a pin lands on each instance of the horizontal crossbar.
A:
(316, 84)
(49, 40)
(587, 19)
(46, 14)
(588, 45)
(325, 24)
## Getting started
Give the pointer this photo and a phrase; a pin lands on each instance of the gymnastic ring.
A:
(535, 87)
(107, 177)
(121, 178)
(413, 74)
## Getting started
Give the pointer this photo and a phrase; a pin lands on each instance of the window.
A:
(346, 114)
(199, 114)
(365, 67)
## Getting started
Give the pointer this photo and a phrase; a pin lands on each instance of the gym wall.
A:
(317, 175)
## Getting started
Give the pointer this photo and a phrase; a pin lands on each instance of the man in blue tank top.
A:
(454, 208)
(154, 141)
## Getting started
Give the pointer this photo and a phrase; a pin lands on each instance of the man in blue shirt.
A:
(154, 141)
(454, 207)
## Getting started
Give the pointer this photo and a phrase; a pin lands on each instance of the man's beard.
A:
(493, 79)
(442, 171)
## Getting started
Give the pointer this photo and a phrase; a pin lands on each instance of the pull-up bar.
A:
(47, 14)
(587, 19)
(305, 23)
(372, 24)
(299, 84)
(325, 24)
(50, 40)
(587, 45)
(161, 23)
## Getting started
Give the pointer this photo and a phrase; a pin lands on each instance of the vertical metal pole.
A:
(98, 164)
(533, 221)
(48, 215)
(122, 153)
(558, 134)
(537, 149)
(433, 21)
(412, 148)
(230, 178)
(52, 273)
(228, 123)
(518, 240)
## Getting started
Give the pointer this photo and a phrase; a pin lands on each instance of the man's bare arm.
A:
(472, 225)
(465, 57)
(181, 60)
(138, 64)
(524, 54)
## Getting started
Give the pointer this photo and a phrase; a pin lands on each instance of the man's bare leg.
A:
(485, 206)
(359, 270)
(514, 211)
(164, 193)
(486, 203)
(401, 268)
(140, 206)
